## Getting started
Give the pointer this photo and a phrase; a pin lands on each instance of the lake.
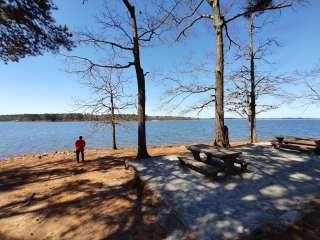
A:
(35, 137)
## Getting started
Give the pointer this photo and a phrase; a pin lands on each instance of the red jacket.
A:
(80, 144)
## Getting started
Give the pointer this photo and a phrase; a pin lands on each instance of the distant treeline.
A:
(60, 117)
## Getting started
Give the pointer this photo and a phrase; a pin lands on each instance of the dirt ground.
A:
(50, 196)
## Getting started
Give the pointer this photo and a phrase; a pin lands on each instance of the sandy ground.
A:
(52, 197)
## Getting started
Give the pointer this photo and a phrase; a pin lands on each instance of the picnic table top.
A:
(214, 151)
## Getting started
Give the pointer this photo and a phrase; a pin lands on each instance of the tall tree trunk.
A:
(220, 138)
(142, 143)
(252, 112)
(113, 123)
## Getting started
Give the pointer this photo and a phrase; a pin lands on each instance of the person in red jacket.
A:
(80, 144)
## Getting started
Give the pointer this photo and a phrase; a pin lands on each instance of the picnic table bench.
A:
(297, 143)
(207, 170)
(219, 160)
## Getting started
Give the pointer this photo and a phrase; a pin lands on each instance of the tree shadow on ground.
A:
(278, 182)
(119, 208)
(307, 227)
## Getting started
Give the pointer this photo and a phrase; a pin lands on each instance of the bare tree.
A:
(108, 97)
(239, 95)
(178, 91)
(220, 20)
(129, 30)
(247, 87)
(312, 81)
(252, 102)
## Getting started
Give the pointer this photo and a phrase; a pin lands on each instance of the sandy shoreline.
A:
(129, 150)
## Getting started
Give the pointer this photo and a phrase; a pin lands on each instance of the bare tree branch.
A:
(93, 64)
(89, 38)
(182, 33)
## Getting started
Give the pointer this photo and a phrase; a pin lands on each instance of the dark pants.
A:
(82, 155)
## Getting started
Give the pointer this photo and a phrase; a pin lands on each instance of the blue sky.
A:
(41, 85)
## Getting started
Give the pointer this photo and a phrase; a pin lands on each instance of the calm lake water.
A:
(35, 137)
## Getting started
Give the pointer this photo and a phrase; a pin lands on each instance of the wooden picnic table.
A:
(223, 158)
(298, 140)
(297, 143)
